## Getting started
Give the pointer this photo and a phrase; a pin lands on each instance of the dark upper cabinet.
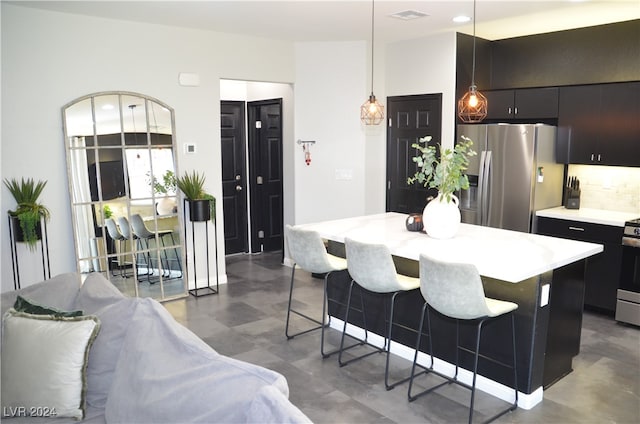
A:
(600, 124)
(522, 104)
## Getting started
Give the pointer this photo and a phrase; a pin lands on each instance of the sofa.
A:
(142, 366)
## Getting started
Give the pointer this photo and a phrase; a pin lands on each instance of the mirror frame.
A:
(101, 256)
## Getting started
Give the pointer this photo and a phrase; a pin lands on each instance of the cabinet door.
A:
(500, 104)
(620, 124)
(536, 103)
(602, 273)
(602, 278)
(578, 128)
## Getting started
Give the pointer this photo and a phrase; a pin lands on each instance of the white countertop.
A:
(594, 216)
(501, 254)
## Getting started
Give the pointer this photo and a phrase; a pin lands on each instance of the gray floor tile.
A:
(246, 321)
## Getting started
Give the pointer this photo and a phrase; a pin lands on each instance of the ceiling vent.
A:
(408, 15)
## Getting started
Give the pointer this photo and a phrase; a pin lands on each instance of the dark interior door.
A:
(234, 176)
(410, 118)
(265, 163)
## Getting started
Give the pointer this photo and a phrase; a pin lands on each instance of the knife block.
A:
(572, 198)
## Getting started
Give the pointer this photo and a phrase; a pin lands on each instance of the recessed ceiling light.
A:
(107, 106)
(407, 15)
(461, 19)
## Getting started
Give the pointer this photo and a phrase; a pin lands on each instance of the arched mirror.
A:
(121, 165)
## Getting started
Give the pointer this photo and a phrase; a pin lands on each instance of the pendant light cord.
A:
(473, 66)
(373, 7)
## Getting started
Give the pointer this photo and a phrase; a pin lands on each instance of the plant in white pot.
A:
(441, 216)
(167, 189)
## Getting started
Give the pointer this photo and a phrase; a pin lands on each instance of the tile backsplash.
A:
(608, 187)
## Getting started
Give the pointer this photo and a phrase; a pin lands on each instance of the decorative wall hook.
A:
(306, 147)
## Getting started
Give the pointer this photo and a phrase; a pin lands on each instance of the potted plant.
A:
(166, 187)
(29, 212)
(202, 206)
(441, 216)
(168, 184)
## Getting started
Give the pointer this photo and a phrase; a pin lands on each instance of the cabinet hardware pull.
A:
(509, 112)
(515, 111)
(576, 228)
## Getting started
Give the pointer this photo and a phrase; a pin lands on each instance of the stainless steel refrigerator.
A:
(513, 175)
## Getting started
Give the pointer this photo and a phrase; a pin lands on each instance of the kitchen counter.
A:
(543, 275)
(505, 255)
(594, 216)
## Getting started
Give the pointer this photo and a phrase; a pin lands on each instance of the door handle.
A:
(238, 188)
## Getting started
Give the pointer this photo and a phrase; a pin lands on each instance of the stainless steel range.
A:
(628, 303)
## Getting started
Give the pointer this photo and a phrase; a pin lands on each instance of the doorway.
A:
(410, 118)
(234, 176)
(265, 163)
(253, 189)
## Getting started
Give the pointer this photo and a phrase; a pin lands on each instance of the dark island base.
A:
(547, 337)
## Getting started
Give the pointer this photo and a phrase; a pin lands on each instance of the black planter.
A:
(18, 234)
(200, 210)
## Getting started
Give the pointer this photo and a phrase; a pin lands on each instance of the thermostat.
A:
(189, 148)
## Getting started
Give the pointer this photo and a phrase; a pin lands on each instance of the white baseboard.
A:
(525, 401)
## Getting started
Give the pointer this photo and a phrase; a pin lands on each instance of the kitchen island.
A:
(543, 275)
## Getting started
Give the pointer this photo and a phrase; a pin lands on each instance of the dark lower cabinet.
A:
(598, 124)
(602, 273)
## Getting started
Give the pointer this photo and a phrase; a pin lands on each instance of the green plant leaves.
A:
(446, 173)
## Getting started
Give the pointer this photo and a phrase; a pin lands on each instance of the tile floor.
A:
(246, 321)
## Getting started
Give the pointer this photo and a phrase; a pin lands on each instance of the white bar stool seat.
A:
(308, 252)
(372, 269)
(455, 290)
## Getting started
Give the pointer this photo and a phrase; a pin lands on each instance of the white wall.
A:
(50, 58)
(329, 90)
(426, 66)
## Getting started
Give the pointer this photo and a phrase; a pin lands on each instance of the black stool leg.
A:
(290, 310)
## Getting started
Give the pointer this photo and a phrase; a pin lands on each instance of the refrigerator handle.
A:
(481, 188)
(486, 199)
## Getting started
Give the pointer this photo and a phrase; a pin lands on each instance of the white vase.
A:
(166, 205)
(441, 219)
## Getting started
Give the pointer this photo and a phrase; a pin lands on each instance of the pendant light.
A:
(472, 107)
(371, 111)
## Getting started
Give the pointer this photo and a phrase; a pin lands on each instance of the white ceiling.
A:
(342, 20)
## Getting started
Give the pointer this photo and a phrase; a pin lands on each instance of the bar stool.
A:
(372, 269)
(125, 229)
(455, 290)
(117, 236)
(143, 233)
(308, 252)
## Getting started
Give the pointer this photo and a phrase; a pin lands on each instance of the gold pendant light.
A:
(371, 111)
(472, 107)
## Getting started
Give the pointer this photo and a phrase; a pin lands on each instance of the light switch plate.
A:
(189, 148)
(544, 295)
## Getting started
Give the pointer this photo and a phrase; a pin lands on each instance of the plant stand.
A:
(208, 289)
(44, 251)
